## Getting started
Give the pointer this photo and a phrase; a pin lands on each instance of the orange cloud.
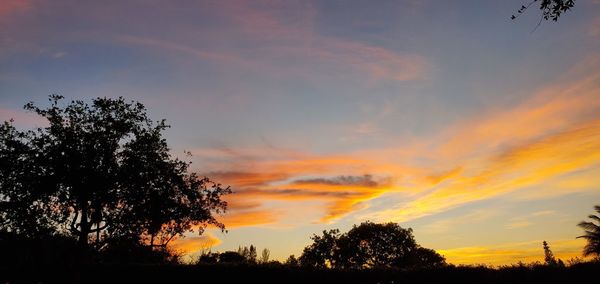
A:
(519, 167)
(439, 177)
(511, 253)
(236, 219)
(342, 194)
(551, 109)
(190, 245)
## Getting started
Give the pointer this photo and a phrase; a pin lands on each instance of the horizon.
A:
(479, 132)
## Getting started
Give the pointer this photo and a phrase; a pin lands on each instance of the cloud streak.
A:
(362, 181)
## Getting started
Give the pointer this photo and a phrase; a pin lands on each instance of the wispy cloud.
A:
(529, 219)
(362, 181)
(445, 225)
(278, 42)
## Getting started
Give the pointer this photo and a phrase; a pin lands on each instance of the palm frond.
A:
(591, 234)
(589, 226)
(594, 217)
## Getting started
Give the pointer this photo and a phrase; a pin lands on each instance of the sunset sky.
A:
(479, 132)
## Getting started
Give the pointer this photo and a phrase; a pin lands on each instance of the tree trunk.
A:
(85, 226)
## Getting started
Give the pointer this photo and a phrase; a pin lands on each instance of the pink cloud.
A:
(8, 7)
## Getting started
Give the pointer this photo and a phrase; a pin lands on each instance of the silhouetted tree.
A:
(427, 258)
(208, 258)
(592, 234)
(252, 254)
(292, 261)
(323, 252)
(264, 256)
(369, 245)
(549, 258)
(551, 9)
(249, 253)
(101, 173)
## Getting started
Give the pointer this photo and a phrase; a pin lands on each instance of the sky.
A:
(480, 133)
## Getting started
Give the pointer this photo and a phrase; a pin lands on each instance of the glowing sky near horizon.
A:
(444, 116)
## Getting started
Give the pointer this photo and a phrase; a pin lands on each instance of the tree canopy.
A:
(101, 173)
(369, 245)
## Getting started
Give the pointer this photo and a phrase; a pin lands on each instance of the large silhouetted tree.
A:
(369, 245)
(323, 252)
(102, 173)
(592, 234)
(22, 181)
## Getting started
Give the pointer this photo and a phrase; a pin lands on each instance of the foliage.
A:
(323, 252)
(22, 181)
(101, 173)
(369, 245)
(231, 257)
(551, 9)
(592, 234)
(207, 257)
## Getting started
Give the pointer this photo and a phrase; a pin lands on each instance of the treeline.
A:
(244, 255)
(578, 273)
(366, 246)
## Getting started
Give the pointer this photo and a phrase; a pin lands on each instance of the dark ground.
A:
(581, 273)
